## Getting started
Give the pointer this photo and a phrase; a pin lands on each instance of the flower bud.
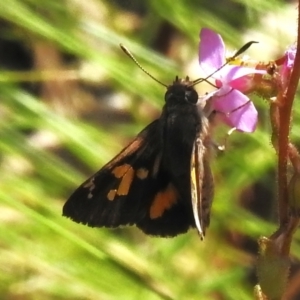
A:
(272, 269)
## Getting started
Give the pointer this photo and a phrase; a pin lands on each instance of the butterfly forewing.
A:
(114, 195)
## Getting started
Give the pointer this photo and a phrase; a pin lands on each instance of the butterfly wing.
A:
(202, 186)
(133, 188)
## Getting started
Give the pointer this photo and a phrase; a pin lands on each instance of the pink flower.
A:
(232, 82)
(287, 66)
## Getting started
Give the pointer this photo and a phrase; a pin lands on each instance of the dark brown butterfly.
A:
(161, 181)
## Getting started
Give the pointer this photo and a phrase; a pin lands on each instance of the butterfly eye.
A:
(191, 96)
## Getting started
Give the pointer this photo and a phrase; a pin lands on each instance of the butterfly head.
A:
(181, 91)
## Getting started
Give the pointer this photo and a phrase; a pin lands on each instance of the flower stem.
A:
(285, 101)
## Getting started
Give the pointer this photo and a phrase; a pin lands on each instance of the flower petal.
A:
(291, 54)
(230, 72)
(237, 110)
(288, 65)
(211, 51)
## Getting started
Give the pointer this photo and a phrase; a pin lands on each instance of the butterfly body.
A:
(161, 182)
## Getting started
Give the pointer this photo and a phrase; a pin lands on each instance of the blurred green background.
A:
(70, 100)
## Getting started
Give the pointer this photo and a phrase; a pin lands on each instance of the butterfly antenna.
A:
(128, 53)
(230, 59)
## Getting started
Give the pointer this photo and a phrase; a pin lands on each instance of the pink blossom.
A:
(232, 82)
(288, 65)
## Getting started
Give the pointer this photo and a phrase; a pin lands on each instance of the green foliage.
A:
(50, 144)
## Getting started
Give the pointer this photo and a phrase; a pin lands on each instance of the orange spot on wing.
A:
(162, 201)
(126, 173)
(126, 181)
(120, 171)
(111, 195)
(142, 173)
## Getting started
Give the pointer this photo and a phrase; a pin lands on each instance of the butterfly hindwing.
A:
(202, 188)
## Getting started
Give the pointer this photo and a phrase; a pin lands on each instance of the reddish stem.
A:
(286, 102)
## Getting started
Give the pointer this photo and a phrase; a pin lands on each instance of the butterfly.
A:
(162, 181)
